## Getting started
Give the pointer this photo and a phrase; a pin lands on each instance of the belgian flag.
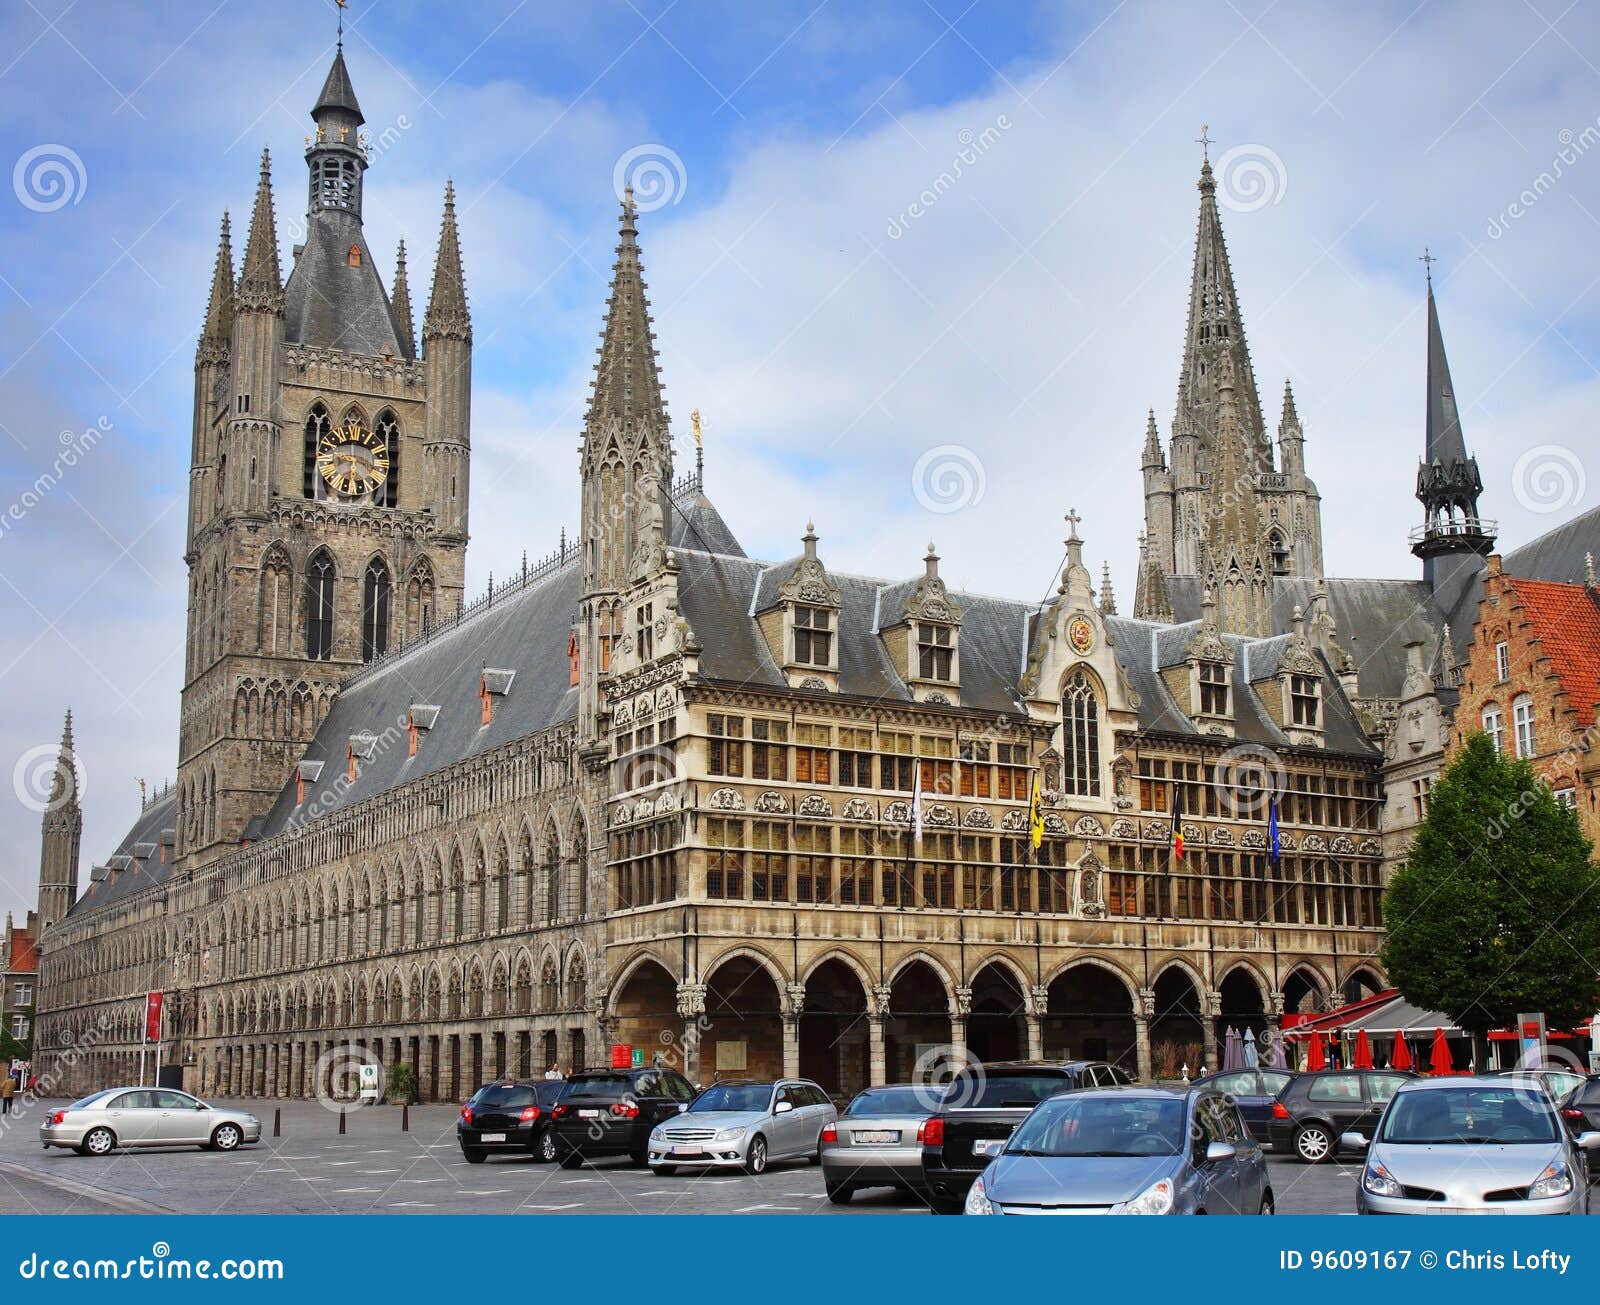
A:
(1177, 820)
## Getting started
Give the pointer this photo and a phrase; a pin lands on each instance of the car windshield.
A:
(979, 1091)
(891, 1101)
(83, 1103)
(508, 1095)
(1101, 1126)
(1462, 1115)
(733, 1096)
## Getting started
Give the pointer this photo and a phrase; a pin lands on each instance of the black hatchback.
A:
(606, 1112)
(509, 1115)
(1316, 1109)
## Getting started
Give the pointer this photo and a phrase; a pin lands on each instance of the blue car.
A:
(1130, 1151)
(1253, 1091)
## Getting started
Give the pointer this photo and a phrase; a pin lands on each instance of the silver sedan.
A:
(875, 1144)
(1484, 1145)
(138, 1117)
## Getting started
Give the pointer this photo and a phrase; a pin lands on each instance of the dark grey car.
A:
(1132, 1151)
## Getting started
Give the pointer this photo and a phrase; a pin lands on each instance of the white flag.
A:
(916, 806)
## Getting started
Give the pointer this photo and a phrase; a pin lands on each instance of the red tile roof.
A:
(1566, 620)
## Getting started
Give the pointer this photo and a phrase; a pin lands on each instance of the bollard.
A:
(277, 1122)
(405, 1116)
(341, 1121)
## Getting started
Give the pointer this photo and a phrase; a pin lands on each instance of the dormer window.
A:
(934, 651)
(644, 631)
(1214, 689)
(1080, 737)
(813, 636)
(353, 258)
(1305, 693)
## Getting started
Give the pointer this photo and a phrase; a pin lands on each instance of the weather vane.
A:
(341, 6)
(1203, 140)
(1427, 260)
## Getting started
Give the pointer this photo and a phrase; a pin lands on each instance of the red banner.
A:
(152, 1016)
(621, 1055)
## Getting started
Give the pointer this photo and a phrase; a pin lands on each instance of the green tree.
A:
(401, 1087)
(1497, 910)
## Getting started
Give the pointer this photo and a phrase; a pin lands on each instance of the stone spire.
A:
(1234, 565)
(1216, 331)
(627, 388)
(402, 305)
(447, 313)
(60, 835)
(1108, 599)
(1291, 436)
(260, 280)
(1152, 601)
(218, 328)
(1153, 459)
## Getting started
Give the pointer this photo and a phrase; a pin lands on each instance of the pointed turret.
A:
(1448, 481)
(1150, 599)
(1234, 564)
(60, 835)
(1108, 599)
(1216, 331)
(218, 327)
(402, 306)
(447, 315)
(260, 280)
(337, 92)
(626, 386)
(1153, 459)
(1291, 436)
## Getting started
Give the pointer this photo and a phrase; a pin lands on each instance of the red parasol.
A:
(1315, 1060)
(1439, 1060)
(1363, 1058)
(1402, 1052)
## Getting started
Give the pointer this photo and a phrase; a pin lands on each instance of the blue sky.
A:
(1030, 314)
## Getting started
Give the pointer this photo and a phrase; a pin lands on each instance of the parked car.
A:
(983, 1104)
(135, 1116)
(608, 1112)
(1581, 1109)
(1253, 1091)
(1556, 1080)
(1135, 1151)
(1314, 1111)
(510, 1115)
(874, 1142)
(1472, 1146)
(745, 1125)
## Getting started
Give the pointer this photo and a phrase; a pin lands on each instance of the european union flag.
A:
(1272, 826)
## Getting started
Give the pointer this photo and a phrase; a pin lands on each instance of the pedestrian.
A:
(554, 1072)
(8, 1087)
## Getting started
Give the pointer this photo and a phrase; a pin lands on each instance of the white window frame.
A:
(1522, 725)
(1502, 661)
(22, 994)
(1494, 726)
(1567, 797)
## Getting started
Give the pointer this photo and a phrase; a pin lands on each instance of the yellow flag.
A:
(1035, 817)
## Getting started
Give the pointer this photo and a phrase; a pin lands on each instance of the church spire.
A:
(1153, 458)
(260, 280)
(1215, 330)
(402, 305)
(60, 835)
(447, 313)
(218, 328)
(627, 388)
(1235, 566)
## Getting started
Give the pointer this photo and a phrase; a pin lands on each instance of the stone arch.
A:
(744, 1015)
(1244, 1001)
(644, 1001)
(1177, 1029)
(1305, 989)
(833, 1034)
(997, 1017)
(522, 985)
(1362, 982)
(921, 995)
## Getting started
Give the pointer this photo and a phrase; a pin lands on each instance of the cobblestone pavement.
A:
(376, 1168)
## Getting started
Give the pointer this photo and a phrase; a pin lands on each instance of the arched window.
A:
(1494, 726)
(353, 258)
(318, 424)
(275, 581)
(375, 610)
(1522, 724)
(387, 428)
(1080, 737)
(419, 600)
(319, 607)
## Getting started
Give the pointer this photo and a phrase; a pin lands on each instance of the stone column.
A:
(960, 1008)
(1035, 1015)
(691, 1010)
(795, 1003)
(1211, 1013)
(1141, 1046)
(877, 1052)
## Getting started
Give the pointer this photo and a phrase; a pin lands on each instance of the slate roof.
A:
(1558, 554)
(151, 835)
(329, 304)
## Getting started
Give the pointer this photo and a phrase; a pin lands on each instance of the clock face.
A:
(352, 460)
(1080, 634)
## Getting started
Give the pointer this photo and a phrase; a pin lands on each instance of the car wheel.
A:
(226, 1137)
(755, 1158)
(98, 1141)
(1313, 1143)
(666, 1171)
(1268, 1206)
(816, 1156)
(546, 1150)
(474, 1155)
(572, 1160)
(640, 1158)
(840, 1193)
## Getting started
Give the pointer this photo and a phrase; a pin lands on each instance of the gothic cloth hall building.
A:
(653, 791)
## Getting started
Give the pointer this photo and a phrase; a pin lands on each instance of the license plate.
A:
(491, 1137)
(685, 1150)
(588, 1114)
(1460, 1209)
(875, 1136)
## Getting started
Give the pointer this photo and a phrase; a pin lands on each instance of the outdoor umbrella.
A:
(1276, 1055)
(1315, 1060)
(1363, 1058)
(1439, 1061)
(1402, 1052)
(1252, 1056)
(1231, 1056)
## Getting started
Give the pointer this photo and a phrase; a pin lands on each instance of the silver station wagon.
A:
(745, 1126)
(139, 1116)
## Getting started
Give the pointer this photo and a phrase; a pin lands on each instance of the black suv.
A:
(611, 1112)
(984, 1104)
(1312, 1112)
(509, 1115)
